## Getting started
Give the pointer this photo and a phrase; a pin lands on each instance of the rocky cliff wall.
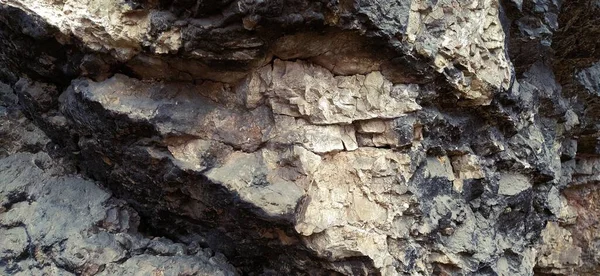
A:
(299, 137)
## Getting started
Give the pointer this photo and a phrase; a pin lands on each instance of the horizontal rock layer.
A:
(299, 137)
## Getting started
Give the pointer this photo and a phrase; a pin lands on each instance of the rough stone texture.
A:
(300, 90)
(299, 137)
(55, 223)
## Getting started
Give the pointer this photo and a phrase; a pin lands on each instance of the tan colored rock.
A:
(256, 184)
(372, 126)
(386, 139)
(352, 203)
(582, 233)
(378, 133)
(472, 37)
(465, 167)
(557, 253)
(309, 162)
(200, 113)
(252, 88)
(301, 89)
(559, 206)
(197, 154)
(316, 138)
(343, 242)
(102, 25)
(168, 42)
(342, 53)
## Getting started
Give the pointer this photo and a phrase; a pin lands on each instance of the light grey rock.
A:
(52, 223)
(512, 184)
(165, 265)
(53, 220)
(15, 242)
(588, 77)
(257, 184)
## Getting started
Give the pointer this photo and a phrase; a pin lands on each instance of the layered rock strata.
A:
(301, 137)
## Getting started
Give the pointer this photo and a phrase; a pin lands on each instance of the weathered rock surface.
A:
(300, 137)
(55, 223)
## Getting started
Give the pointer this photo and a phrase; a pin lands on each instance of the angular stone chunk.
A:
(252, 88)
(352, 194)
(439, 167)
(249, 175)
(13, 242)
(466, 167)
(466, 42)
(349, 138)
(512, 184)
(316, 138)
(352, 241)
(385, 133)
(343, 180)
(372, 126)
(300, 89)
(557, 253)
(181, 108)
(589, 78)
(198, 154)
(102, 25)
(321, 139)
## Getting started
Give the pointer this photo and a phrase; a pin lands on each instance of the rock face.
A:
(53, 222)
(299, 137)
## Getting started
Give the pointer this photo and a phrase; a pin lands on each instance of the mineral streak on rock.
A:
(226, 137)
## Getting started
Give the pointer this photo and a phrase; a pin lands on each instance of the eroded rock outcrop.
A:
(53, 222)
(302, 137)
